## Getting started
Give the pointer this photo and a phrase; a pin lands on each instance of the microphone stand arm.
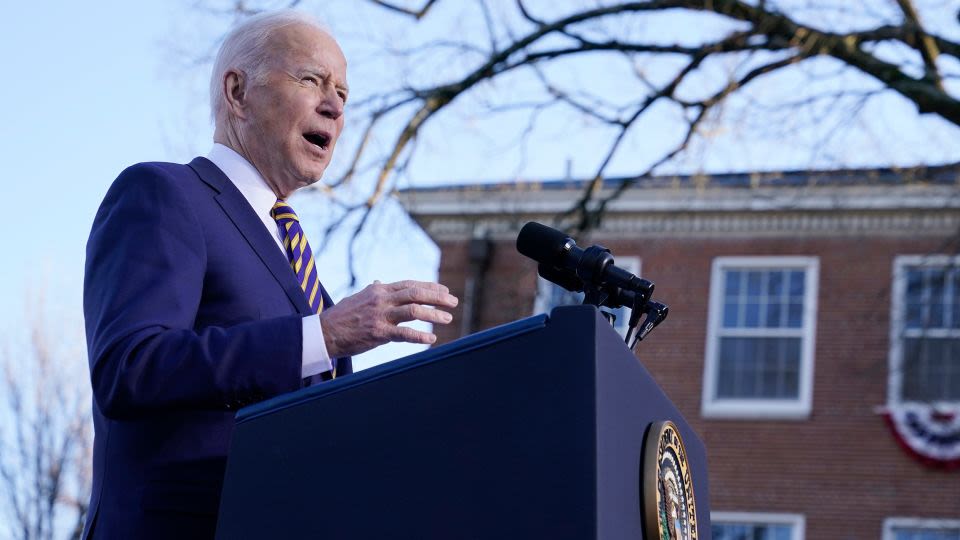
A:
(597, 292)
(594, 261)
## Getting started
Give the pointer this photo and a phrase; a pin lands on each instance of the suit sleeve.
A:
(143, 282)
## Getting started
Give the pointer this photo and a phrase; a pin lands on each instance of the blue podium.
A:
(534, 429)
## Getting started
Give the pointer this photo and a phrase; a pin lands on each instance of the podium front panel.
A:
(530, 430)
(490, 440)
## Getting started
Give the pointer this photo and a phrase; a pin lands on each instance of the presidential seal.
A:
(669, 512)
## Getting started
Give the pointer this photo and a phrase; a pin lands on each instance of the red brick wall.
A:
(841, 468)
(508, 290)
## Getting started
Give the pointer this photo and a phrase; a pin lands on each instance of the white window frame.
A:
(898, 315)
(630, 263)
(798, 522)
(733, 408)
(916, 523)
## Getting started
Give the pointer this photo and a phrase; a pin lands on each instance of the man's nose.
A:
(330, 106)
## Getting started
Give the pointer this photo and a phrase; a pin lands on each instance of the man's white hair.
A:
(245, 49)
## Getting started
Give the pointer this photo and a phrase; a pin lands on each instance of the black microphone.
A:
(616, 297)
(592, 271)
(543, 244)
(593, 265)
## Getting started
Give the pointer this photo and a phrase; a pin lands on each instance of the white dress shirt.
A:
(261, 198)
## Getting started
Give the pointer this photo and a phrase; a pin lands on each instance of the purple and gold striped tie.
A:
(299, 253)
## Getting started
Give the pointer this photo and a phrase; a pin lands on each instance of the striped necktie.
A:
(299, 253)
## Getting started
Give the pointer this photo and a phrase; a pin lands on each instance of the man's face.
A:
(293, 118)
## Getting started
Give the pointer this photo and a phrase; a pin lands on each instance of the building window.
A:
(550, 295)
(921, 529)
(756, 526)
(925, 330)
(760, 337)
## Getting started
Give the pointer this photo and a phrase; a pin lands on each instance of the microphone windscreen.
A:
(541, 243)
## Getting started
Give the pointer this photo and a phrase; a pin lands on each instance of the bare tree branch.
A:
(416, 14)
(846, 48)
(762, 37)
(923, 42)
(44, 462)
(491, 27)
(528, 16)
(782, 33)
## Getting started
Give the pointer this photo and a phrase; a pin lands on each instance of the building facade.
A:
(813, 339)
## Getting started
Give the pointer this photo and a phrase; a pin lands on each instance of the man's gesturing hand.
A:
(372, 317)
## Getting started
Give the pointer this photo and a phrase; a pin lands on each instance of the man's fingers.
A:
(425, 295)
(412, 283)
(420, 291)
(417, 312)
(409, 335)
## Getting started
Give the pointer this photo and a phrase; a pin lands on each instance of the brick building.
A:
(813, 339)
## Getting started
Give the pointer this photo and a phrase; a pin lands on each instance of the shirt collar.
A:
(245, 177)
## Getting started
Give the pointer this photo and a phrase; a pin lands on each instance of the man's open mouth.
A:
(317, 139)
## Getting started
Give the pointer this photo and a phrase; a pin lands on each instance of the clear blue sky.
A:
(88, 89)
(80, 99)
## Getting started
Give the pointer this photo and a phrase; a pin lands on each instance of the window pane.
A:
(795, 315)
(780, 370)
(761, 299)
(932, 298)
(915, 284)
(729, 370)
(752, 315)
(774, 312)
(750, 531)
(795, 308)
(936, 293)
(730, 312)
(916, 533)
(914, 316)
(914, 298)
(753, 283)
(759, 368)
(775, 283)
(931, 369)
(796, 283)
(930, 362)
(733, 283)
(955, 298)
(774, 300)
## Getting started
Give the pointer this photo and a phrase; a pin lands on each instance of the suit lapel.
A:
(245, 219)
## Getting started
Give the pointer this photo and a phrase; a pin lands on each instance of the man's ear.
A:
(235, 92)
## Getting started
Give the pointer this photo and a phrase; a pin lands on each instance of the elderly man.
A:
(202, 295)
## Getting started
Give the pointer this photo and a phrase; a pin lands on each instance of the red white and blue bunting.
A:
(931, 433)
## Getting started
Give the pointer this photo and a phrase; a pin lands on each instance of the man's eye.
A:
(311, 80)
(343, 96)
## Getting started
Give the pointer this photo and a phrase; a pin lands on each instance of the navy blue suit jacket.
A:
(192, 311)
